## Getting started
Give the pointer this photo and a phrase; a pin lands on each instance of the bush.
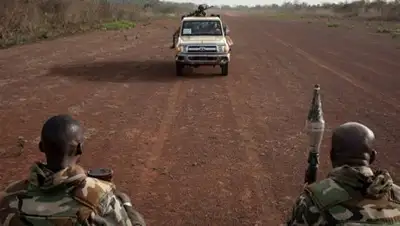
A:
(118, 25)
(28, 20)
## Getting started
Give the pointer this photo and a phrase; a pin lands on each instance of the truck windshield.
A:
(201, 27)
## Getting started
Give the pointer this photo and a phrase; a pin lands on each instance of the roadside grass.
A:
(333, 25)
(393, 32)
(26, 21)
(118, 25)
(282, 15)
(383, 30)
(41, 33)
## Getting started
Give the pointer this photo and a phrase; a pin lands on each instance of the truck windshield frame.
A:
(202, 28)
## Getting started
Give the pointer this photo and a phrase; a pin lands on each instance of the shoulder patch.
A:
(91, 191)
(327, 193)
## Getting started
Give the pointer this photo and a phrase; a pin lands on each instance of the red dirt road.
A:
(202, 149)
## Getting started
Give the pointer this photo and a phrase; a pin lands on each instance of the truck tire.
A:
(225, 69)
(179, 69)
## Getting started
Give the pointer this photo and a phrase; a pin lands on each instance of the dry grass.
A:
(29, 20)
(377, 10)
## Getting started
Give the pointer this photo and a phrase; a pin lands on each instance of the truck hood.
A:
(202, 40)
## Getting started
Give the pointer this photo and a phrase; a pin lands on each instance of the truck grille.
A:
(202, 49)
(203, 58)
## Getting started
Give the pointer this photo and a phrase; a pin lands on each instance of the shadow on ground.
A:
(127, 71)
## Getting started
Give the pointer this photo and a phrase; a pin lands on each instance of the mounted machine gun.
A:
(199, 12)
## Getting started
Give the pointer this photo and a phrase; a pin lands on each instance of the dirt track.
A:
(203, 149)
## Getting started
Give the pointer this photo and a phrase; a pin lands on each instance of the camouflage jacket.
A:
(55, 197)
(349, 195)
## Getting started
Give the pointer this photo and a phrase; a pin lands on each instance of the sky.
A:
(251, 2)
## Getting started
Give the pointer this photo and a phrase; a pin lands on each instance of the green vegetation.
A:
(378, 10)
(383, 30)
(24, 21)
(394, 32)
(334, 25)
(118, 25)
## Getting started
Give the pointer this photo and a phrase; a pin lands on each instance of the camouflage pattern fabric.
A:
(349, 196)
(67, 197)
(200, 14)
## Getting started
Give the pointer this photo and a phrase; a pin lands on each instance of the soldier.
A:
(59, 192)
(200, 12)
(352, 194)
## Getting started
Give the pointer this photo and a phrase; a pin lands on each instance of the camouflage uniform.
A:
(67, 197)
(349, 196)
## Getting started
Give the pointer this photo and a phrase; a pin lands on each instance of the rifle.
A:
(315, 126)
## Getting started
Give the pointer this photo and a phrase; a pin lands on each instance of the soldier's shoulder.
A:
(327, 192)
(16, 187)
(305, 212)
(93, 192)
(93, 185)
(327, 184)
(395, 192)
(8, 195)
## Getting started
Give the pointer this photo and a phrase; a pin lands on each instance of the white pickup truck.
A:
(202, 41)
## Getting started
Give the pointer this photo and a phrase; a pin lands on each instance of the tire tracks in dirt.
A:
(205, 162)
(358, 64)
(379, 115)
(382, 49)
(175, 99)
(344, 75)
(367, 73)
(365, 86)
(250, 147)
(247, 124)
(261, 71)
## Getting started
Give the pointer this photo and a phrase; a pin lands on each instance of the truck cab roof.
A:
(201, 18)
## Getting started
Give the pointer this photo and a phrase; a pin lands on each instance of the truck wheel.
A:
(179, 69)
(224, 69)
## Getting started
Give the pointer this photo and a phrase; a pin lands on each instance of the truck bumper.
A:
(197, 59)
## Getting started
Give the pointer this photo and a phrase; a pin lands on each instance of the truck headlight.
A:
(223, 49)
(181, 48)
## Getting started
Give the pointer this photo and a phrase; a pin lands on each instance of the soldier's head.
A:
(61, 141)
(352, 145)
